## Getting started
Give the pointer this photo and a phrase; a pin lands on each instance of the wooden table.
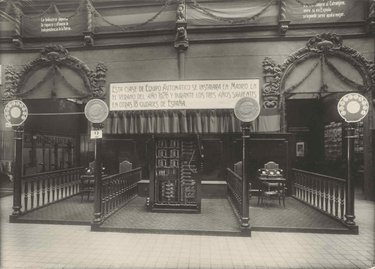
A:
(272, 187)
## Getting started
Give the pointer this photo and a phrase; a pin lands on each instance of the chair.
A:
(125, 166)
(272, 182)
(87, 183)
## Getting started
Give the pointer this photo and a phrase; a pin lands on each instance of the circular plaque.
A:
(96, 110)
(353, 107)
(247, 109)
(15, 112)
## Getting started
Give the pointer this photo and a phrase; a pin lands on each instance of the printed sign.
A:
(323, 11)
(202, 94)
(53, 24)
(96, 134)
(353, 107)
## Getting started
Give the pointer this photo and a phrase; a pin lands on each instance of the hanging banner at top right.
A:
(325, 11)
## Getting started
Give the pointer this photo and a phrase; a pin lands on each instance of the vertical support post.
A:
(245, 184)
(98, 177)
(181, 64)
(349, 201)
(17, 187)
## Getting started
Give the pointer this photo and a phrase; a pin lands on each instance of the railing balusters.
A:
(44, 188)
(331, 198)
(336, 200)
(342, 202)
(37, 192)
(320, 191)
(26, 195)
(119, 189)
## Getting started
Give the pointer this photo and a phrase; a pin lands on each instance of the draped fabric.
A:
(173, 121)
(232, 13)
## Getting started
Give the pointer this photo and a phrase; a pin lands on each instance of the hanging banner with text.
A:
(161, 95)
(53, 24)
(324, 11)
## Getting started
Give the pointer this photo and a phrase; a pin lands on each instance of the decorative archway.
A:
(55, 57)
(323, 47)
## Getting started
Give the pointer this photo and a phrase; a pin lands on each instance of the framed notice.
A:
(300, 149)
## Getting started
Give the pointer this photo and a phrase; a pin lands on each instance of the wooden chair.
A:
(125, 166)
(272, 182)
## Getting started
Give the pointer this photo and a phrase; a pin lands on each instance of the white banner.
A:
(161, 95)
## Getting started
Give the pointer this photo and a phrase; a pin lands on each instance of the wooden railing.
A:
(118, 189)
(45, 188)
(234, 190)
(320, 191)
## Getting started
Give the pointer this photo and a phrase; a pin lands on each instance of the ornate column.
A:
(283, 22)
(181, 42)
(18, 137)
(88, 35)
(16, 13)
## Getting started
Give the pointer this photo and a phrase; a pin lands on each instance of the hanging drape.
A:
(173, 121)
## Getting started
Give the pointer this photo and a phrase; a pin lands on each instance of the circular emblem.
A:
(15, 112)
(353, 107)
(96, 111)
(247, 109)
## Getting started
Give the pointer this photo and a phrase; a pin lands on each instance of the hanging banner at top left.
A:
(54, 23)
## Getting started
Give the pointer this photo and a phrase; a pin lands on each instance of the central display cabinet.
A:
(175, 183)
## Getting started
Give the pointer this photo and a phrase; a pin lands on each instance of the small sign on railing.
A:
(96, 134)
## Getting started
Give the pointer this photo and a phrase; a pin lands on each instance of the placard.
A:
(162, 95)
(324, 11)
(53, 24)
(96, 134)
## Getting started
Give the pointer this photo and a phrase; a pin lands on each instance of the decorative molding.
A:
(271, 87)
(11, 81)
(181, 41)
(56, 56)
(88, 38)
(283, 22)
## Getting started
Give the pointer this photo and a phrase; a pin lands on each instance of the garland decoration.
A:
(342, 77)
(293, 87)
(308, 4)
(52, 73)
(208, 11)
(126, 28)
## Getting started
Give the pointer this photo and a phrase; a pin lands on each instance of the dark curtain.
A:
(173, 121)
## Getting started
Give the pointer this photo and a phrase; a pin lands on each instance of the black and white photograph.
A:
(187, 134)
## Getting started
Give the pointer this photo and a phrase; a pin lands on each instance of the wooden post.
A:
(245, 183)
(17, 187)
(98, 177)
(349, 201)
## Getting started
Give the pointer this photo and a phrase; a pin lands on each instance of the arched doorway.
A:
(55, 87)
(309, 83)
